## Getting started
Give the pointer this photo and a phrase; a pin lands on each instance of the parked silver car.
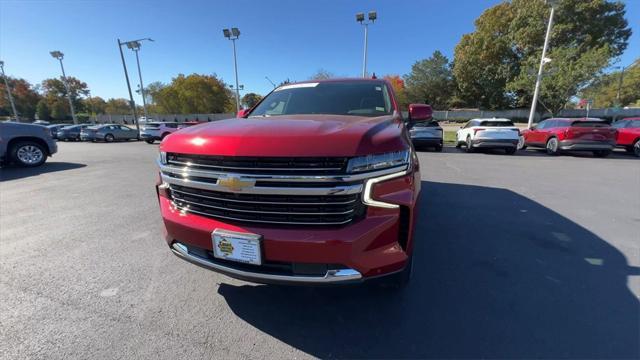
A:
(108, 133)
(25, 144)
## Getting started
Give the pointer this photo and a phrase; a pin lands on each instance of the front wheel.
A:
(149, 141)
(552, 146)
(28, 154)
(521, 143)
(109, 138)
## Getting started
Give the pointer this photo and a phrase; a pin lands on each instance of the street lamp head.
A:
(57, 54)
(1, 63)
(226, 33)
(373, 15)
(134, 45)
(235, 32)
(360, 17)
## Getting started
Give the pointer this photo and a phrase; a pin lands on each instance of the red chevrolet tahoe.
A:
(317, 184)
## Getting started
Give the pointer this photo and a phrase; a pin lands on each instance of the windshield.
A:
(358, 98)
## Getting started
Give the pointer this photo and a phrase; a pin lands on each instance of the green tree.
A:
(117, 107)
(54, 89)
(604, 92)
(43, 110)
(24, 96)
(430, 81)
(496, 65)
(249, 100)
(59, 108)
(322, 74)
(193, 94)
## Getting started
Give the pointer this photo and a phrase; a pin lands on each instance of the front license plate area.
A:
(237, 246)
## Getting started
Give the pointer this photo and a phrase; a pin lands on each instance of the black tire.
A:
(458, 144)
(149, 141)
(469, 147)
(78, 138)
(109, 138)
(521, 143)
(601, 153)
(553, 146)
(164, 136)
(510, 151)
(28, 154)
(636, 148)
(438, 148)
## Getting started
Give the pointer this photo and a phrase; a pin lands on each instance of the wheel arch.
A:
(11, 143)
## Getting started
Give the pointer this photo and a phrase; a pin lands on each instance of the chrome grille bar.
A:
(173, 189)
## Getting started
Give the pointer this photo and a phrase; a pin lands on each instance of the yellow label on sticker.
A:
(225, 247)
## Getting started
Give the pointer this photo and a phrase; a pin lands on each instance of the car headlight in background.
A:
(378, 162)
(163, 158)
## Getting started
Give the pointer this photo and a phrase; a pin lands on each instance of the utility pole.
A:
(360, 18)
(543, 60)
(59, 55)
(6, 84)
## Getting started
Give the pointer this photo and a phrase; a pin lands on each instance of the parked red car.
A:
(317, 184)
(628, 134)
(565, 134)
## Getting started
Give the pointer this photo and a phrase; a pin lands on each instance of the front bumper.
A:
(581, 145)
(494, 143)
(425, 141)
(377, 245)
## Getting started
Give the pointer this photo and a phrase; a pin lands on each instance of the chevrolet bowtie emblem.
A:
(235, 183)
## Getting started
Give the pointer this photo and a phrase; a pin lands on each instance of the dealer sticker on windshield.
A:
(237, 246)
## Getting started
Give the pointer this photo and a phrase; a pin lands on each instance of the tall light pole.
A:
(269, 80)
(135, 46)
(543, 60)
(132, 103)
(233, 34)
(360, 18)
(6, 84)
(59, 55)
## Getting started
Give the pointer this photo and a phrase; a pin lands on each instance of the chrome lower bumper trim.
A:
(331, 277)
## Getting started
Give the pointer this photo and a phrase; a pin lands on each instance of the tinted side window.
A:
(542, 125)
(634, 124)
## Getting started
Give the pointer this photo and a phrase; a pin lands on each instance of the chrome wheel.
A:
(552, 146)
(29, 154)
(521, 143)
(636, 148)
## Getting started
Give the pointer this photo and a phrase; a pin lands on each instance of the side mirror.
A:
(419, 112)
(242, 113)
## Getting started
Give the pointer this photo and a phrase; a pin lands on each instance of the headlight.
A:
(377, 162)
(163, 158)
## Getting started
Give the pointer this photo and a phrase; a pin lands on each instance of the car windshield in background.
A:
(496, 123)
(358, 98)
(427, 124)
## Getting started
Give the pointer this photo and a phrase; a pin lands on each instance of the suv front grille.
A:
(262, 165)
(269, 209)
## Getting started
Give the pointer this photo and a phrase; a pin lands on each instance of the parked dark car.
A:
(55, 128)
(25, 144)
(108, 133)
(427, 134)
(71, 132)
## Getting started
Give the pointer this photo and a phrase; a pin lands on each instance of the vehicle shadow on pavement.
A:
(496, 275)
(14, 172)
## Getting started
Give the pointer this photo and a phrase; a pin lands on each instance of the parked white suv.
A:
(488, 134)
(153, 131)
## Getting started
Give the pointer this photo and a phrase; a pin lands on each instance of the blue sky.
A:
(279, 39)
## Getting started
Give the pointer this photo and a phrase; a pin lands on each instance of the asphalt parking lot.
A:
(524, 256)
